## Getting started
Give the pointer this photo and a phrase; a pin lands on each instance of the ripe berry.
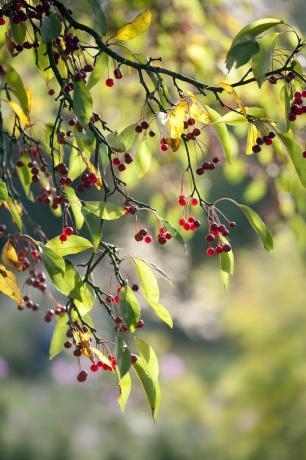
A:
(162, 240)
(118, 74)
(219, 249)
(135, 287)
(63, 237)
(109, 82)
(116, 161)
(148, 239)
(2, 21)
(259, 141)
(210, 251)
(140, 324)
(272, 80)
(151, 133)
(133, 359)
(216, 160)
(190, 121)
(256, 148)
(88, 68)
(182, 200)
(210, 238)
(94, 367)
(304, 154)
(227, 247)
(127, 158)
(51, 92)
(121, 167)
(144, 124)
(194, 201)
(200, 171)
(164, 147)
(271, 134)
(82, 376)
(93, 178)
(68, 231)
(68, 344)
(232, 224)
(138, 129)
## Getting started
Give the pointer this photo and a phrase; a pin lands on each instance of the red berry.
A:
(94, 367)
(68, 344)
(133, 359)
(148, 239)
(304, 154)
(144, 124)
(182, 221)
(116, 161)
(68, 231)
(63, 237)
(227, 247)
(194, 202)
(118, 74)
(82, 376)
(256, 148)
(164, 147)
(138, 129)
(121, 167)
(140, 324)
(109, 82)
(2, 21)
(127, 158)
(216, 160)
(51, 92)
(200, 171)
(190, 121)
(232, 224)
(219, 249)
(210, 238)
(210, 251)
(93, 178)
(186, 226)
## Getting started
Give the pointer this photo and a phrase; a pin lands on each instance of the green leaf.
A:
(129, 136)
(147, 370)
(106, 211)
(77, 164)
(123, 356)
(51, 28)
(160, 271)
(148, 281)
(59, 335)
(151, 290)
(286, 103)
(67, 282)
(15, 213)
(18, 32)
(14, 81)
(115, 142)
(76, 206)
(129, 307)
(161, 312)
(25, 176)
(99, 71)
(86, 293)
(234, 118)
(258, 225)
(3, 191)
(248, 32)
(82, 102)
(94, 224)
(52, 261)
(222, 132)
(125, 385)
(262, 61)
(73, 245)
(41, 59)
(101, 356)
(296, 154)
(241, 53)
(98, 16)
(226, 264)
(142, 159)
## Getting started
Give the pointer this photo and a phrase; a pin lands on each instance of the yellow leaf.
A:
(196, 109)
(30, 98)
(230, 90)
(9, 285)
(134, 28)
(176, 119)
(253, 133)
(9, 256)
(19, 112)
(94, 170)
(15, 210)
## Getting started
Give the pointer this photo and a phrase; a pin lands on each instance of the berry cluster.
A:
(288, 78)
(88, 179)
(188, 223)
(30, 304)
(37, 280)
(207, 166)
(266, 139)
(163, 236)
(59, 311)
(109, 82)
(215, 233)
(195, 132)
(68, 231)
(297, 108)
(62, 169)
(128, 159)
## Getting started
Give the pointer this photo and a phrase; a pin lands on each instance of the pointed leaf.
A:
(99, 72)
(59, 335)
(82, 102)
(3, 191)
(258, 225)
(134, 28)
(76, 206)
(296, 154)
(129, 136)
(53, 262)
(125, 385)
(222, 132)
(9, 285)
(262, 61)
(123, 356)
(73, 245)
(106, 211)
(129, 307)
(98, 14)
(94, 224)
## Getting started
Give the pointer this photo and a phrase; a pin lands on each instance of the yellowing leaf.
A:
(134, 28)
(9, 256)
(196, 109)
(253, 133)
(230, 90)
(9, 285)
(19, 112)
(94, 170)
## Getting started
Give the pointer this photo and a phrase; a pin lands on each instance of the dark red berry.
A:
(82, 376)
(109, 82)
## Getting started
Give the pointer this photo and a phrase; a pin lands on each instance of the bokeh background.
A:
(233, 369)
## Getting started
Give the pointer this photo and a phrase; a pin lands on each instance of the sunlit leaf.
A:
(107, 211)
(94, 224)
(123, 356)
(143, 159)
(125, 385)
(222, 132)
(53, 262)
(296, 154)
(9, 256)
(230, 90)
(9, 285)
(262, 61)
(73, 245)
(259, 226)
(19, 113)
(82, 102)
(99, 72)
(129, 136)
(76, 206)
(226, 264)
(115, 142)
(3, 191)
(253, 134)
(18, 32)
(59, 335)
(134, 28)
(15, 83)
(129, 307)
(14, 209)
